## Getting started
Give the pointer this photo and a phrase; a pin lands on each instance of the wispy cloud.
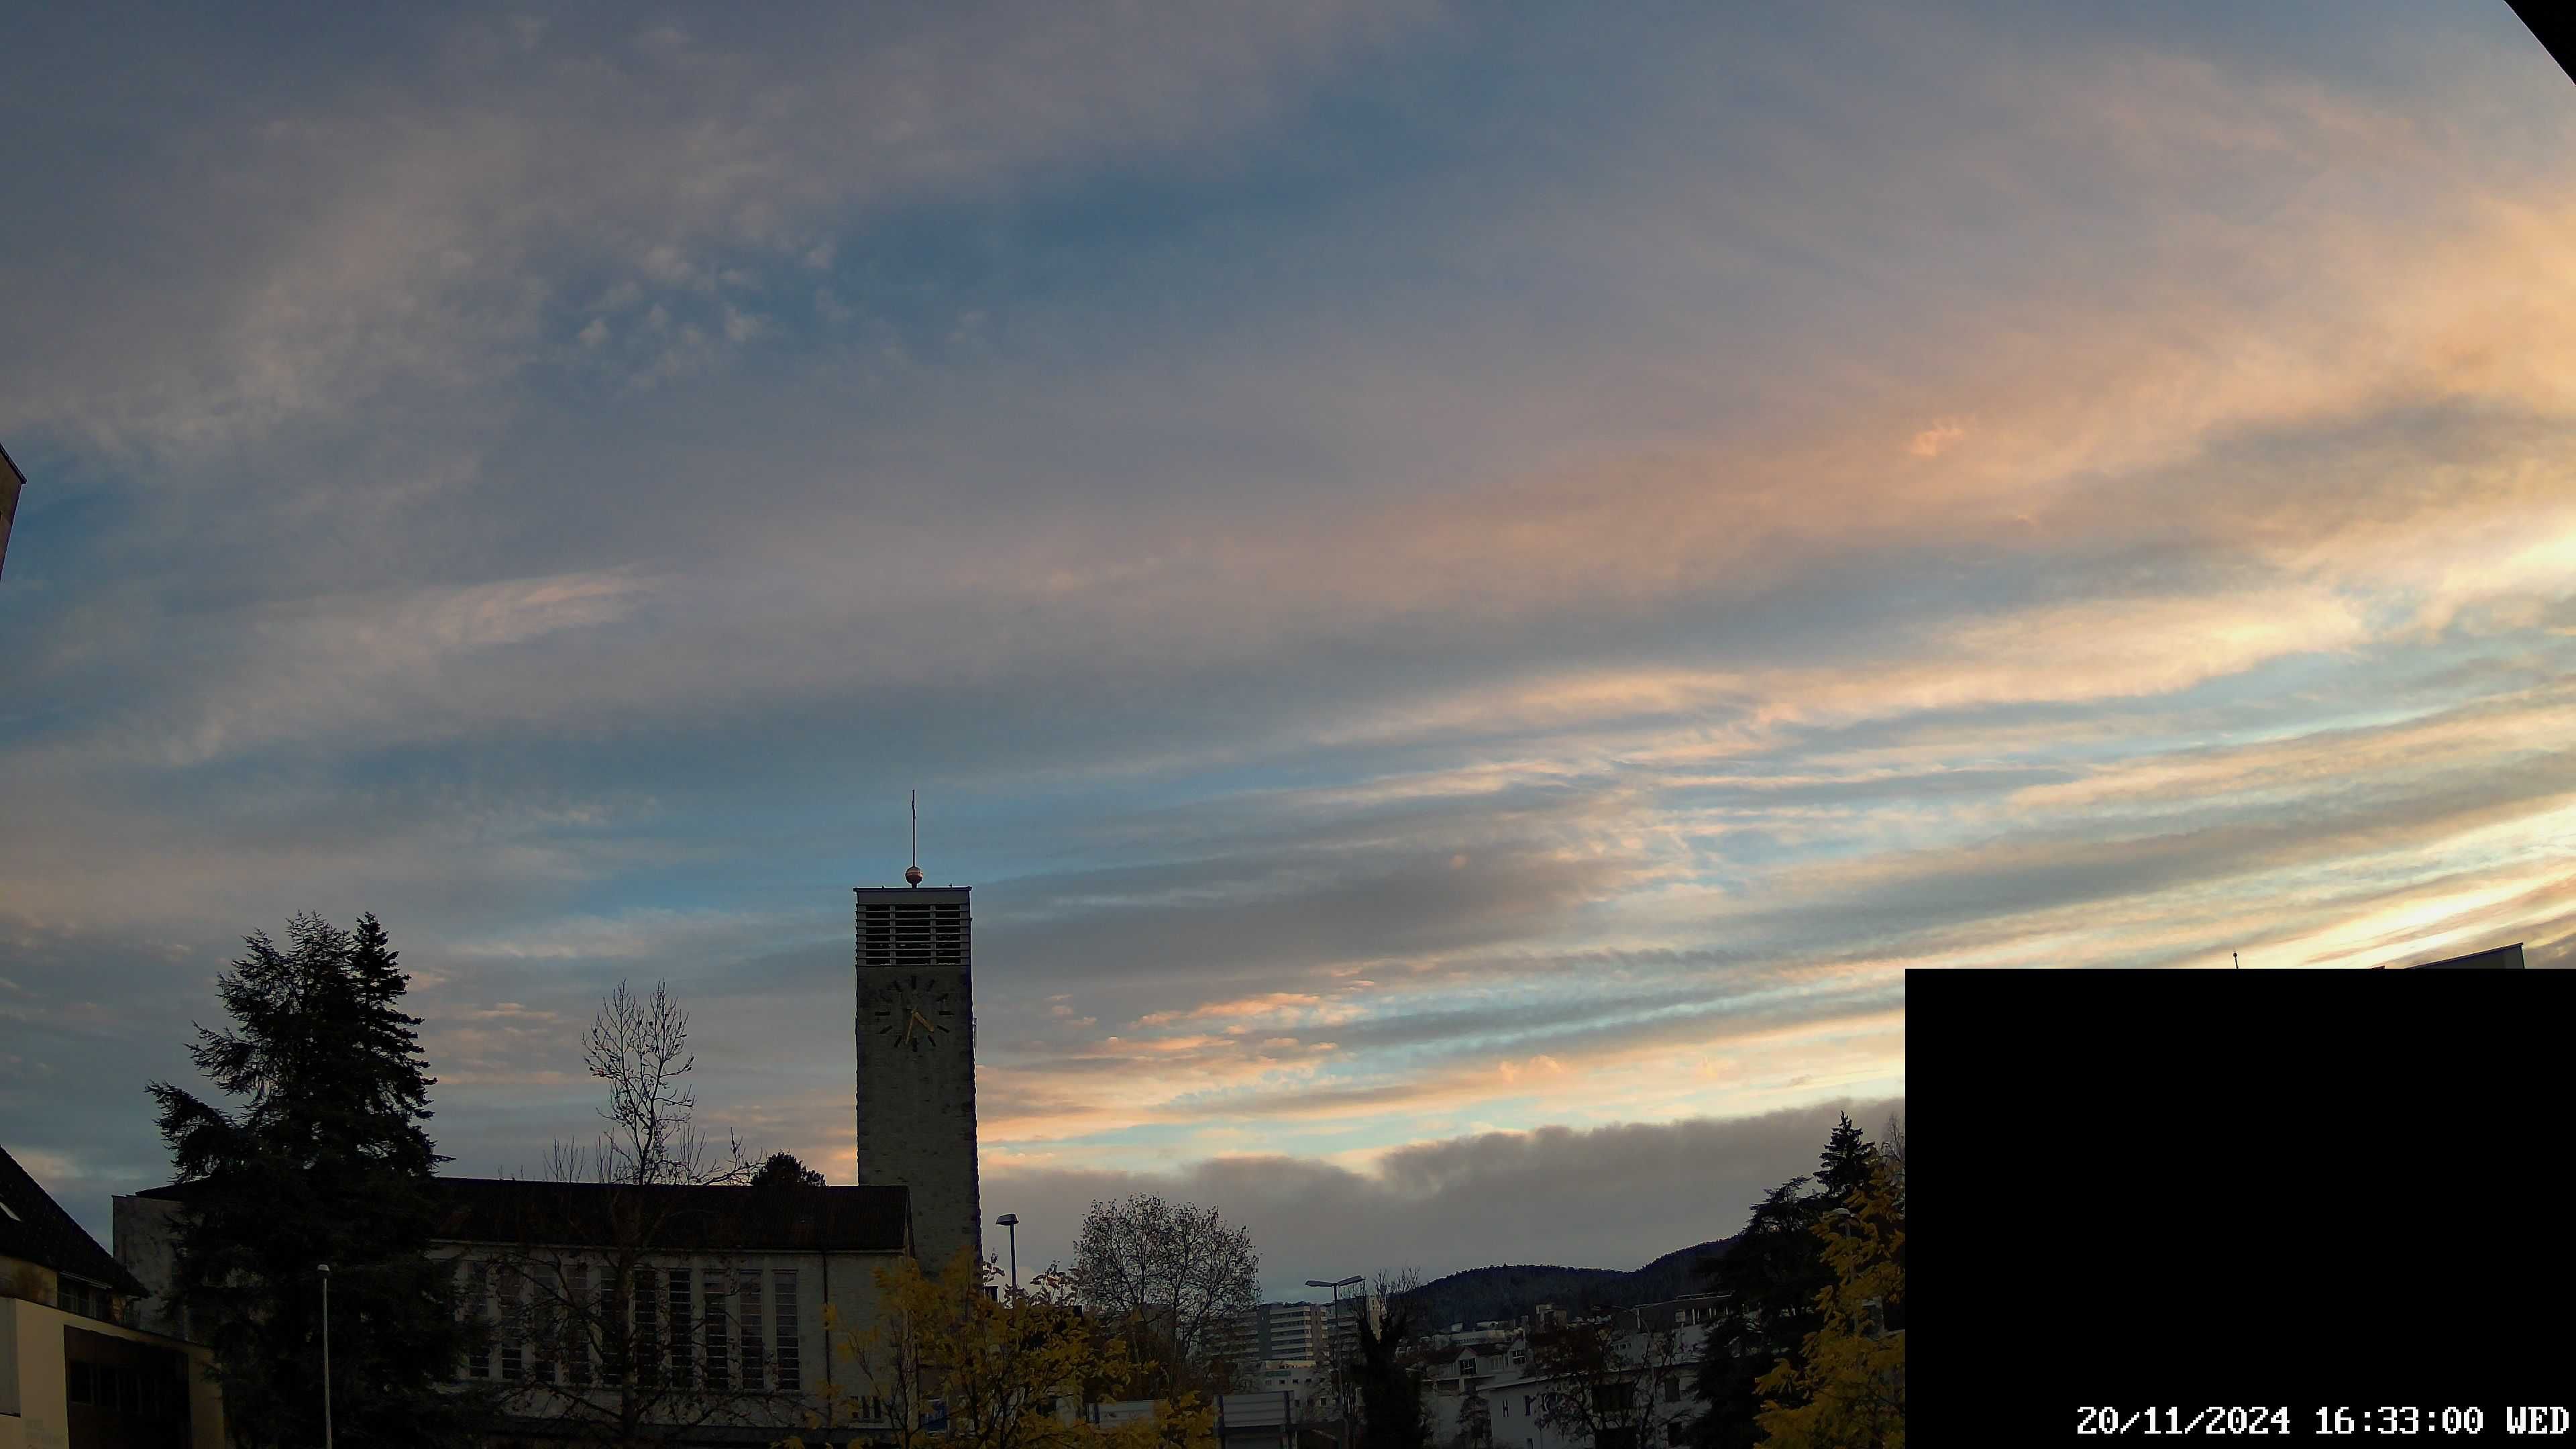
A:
(1439, 571)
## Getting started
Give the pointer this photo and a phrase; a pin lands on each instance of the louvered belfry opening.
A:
(912, 933)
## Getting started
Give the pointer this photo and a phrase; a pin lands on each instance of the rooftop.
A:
(35, 1229)
(756, 1219)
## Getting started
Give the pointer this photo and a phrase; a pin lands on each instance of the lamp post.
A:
(326, 1356)
(1012, 1221)
(1341, 1383)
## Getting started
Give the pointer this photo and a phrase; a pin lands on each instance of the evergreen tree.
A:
(321, 1159)
(1475, 1422)
(785, 1169)
(1848, 1390)
(1775, 1272)
(1772, 1273)
(1845, 1166)
(1390, 1390)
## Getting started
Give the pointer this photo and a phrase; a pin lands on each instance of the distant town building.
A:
(1493, 1362)
(1293, 1347)
(75, 1369)
(1281, 1332)
(1243, 1421)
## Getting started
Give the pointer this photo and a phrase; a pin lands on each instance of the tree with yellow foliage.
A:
(953, 1360)
(1849, 1392)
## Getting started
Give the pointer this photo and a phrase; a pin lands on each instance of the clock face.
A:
(912, 1014)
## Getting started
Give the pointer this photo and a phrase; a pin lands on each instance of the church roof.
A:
(35, 1229)
(790, 1219)
(692, 1219)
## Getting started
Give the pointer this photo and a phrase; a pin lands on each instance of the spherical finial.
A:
(912, 873)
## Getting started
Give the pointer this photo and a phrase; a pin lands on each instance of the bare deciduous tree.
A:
(1173, 1276)
(625, 1315)
(639, 1046)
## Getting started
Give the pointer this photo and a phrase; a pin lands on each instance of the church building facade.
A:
(719, 1315)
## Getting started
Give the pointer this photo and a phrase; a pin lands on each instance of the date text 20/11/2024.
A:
(2330, 1420)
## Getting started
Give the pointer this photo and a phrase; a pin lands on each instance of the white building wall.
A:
(1500, 1371)
(791, 1296)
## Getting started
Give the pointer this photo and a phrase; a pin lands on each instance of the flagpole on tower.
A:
(912, 872)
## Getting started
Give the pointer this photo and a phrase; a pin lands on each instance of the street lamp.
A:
(326, 1356)
(1341, 1384)
(1012, 1221)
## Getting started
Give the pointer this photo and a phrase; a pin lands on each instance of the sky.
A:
(1469, 585)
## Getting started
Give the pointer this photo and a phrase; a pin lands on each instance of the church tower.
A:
(916, 1033)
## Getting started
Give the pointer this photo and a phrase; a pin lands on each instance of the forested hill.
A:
(1512, 1290)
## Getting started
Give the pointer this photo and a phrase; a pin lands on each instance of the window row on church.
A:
(727, 1330)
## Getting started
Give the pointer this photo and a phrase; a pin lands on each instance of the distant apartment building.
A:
(1284, 1332)
(1292, 1347)
(76, 1372)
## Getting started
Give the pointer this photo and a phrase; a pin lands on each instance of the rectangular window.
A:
(512, 1328)
(647, 1342)
(616, 1336)
(544, 1334)
(747, 1312)
(682, 1319)
(578, 1311)
(783, 1335)
(719, 1335)
(478, 1295)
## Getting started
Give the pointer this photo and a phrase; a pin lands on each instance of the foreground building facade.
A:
(76, 1369)
(696, 1312)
